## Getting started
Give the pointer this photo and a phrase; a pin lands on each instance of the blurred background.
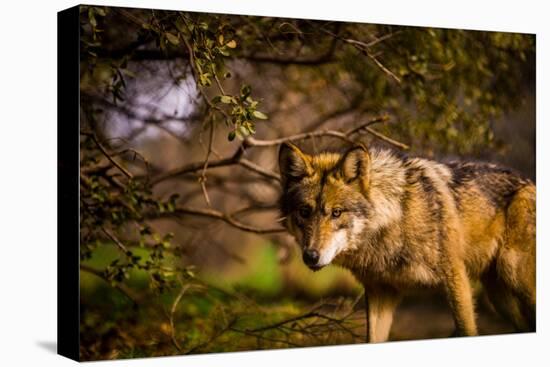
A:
(181, 245)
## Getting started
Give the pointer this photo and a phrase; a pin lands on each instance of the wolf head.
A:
(325, 201)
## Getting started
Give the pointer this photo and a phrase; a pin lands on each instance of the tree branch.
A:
(107, 155)
(197, 166)
(202, 178)
(172, 312)
(215, 214)
(121, 287)
(251, 166)
(364, 48)
(249, 142)
(324, 58)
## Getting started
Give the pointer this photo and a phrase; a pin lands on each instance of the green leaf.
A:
(180, 25)
(223, 51)
(226, 99)
(251, 128)
(244, 132)
(91, 17)
(173, 39)
(100, 11)
(231, 135)
(231, 44)
(245, 91)
(190, 272)
(259, 115)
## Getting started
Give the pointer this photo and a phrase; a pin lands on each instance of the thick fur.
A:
(400, 223)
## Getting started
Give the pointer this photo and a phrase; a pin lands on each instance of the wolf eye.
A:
(336, 212)
(304, 211)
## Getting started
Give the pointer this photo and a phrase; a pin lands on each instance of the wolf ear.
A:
(293, 163)
(355, 164)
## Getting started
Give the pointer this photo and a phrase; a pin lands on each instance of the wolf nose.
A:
(311, 257)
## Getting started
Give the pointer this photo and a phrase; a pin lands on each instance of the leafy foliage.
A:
(444, 90)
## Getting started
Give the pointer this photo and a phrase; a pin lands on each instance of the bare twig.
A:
(364, 48)
(284, 322)
(211, 213)
(115, 240)
(363, 126)
(172, 312)
(254, 208)
(320, 324)
(236, 158)
(250, 142)
(230, 220)
(253, 142)
(135, 154)
(263, 337)
(387, 139)
(251, 166)
(202, 178)
(107, 155)
(213, 337)
(197, 166)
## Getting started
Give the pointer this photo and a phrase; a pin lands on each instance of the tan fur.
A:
(403, 223)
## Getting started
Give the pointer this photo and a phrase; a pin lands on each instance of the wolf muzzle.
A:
(311, 259)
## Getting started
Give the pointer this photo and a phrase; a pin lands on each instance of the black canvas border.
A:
(68, 182)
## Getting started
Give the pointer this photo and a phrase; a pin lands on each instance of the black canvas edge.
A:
(68, 182)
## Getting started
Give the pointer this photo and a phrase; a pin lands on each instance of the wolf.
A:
(400, 224)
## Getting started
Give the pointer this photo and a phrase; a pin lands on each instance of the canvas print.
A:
(251, 183)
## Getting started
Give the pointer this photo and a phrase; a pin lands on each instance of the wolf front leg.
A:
(380, 304)
(460, 298)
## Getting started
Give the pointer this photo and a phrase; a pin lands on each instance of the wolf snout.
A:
(311, 257)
